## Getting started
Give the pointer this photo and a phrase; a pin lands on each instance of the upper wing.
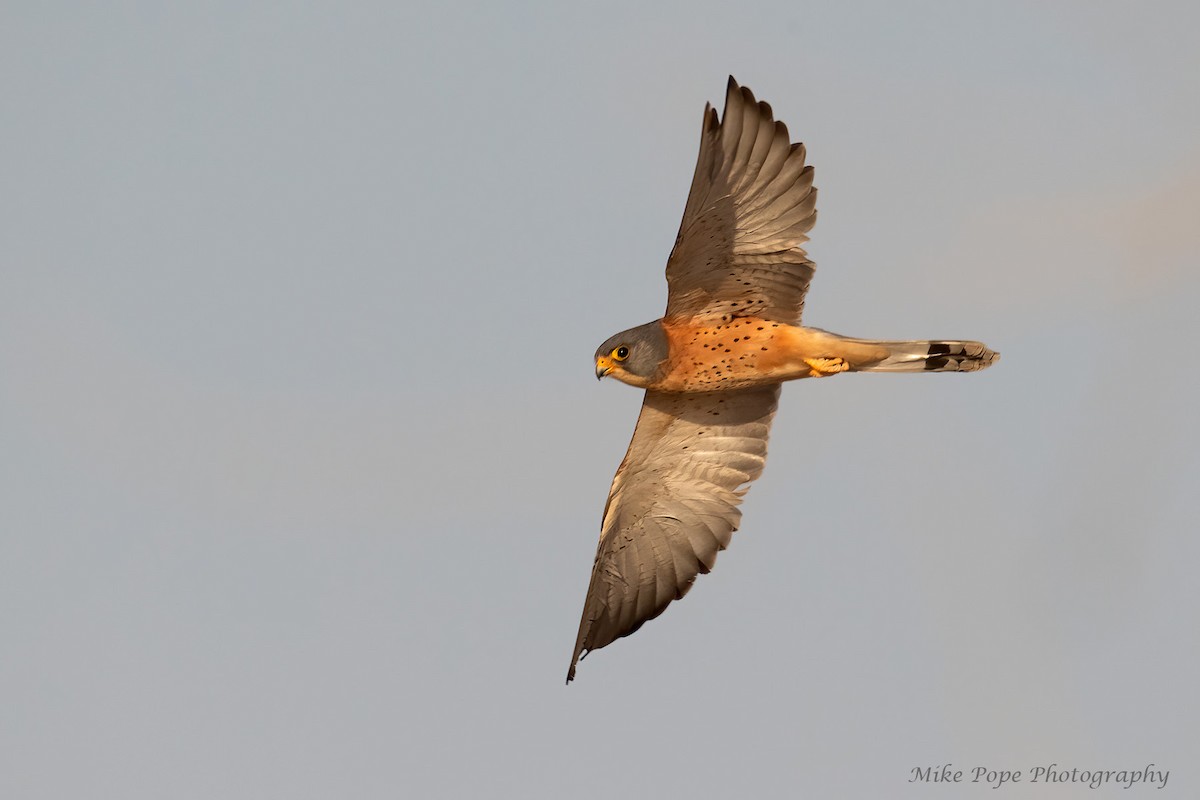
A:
(673, 505)
(750, 208)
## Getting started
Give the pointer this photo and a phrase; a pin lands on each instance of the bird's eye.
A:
(621, 353)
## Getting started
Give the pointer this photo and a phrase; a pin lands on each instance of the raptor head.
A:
(633, 356)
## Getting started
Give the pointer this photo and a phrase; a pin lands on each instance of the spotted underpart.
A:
(734, 352)
(740, 352)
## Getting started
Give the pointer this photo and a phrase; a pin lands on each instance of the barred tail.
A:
(930, 356)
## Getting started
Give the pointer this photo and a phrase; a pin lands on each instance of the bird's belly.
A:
(743, 352)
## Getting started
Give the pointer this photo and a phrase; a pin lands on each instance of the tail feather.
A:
(930, 356)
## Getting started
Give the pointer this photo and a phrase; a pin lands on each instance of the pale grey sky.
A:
(302, 460)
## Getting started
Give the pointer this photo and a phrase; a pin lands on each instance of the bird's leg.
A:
(824, 367)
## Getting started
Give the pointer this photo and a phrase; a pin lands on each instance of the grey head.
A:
(633, 356)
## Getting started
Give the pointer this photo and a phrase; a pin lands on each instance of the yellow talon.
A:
(823, 367)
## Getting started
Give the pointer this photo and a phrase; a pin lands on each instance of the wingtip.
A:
(734, 99)
(575, 657)
(738, 98)
(732, 88)
(571, 671)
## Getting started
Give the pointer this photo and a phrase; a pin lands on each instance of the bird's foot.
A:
(823, 367)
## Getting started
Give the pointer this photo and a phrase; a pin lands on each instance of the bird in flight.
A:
(712, 368)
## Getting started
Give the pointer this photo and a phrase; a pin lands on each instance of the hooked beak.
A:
(604, 366)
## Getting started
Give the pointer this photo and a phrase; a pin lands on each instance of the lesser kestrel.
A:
(713, 365)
